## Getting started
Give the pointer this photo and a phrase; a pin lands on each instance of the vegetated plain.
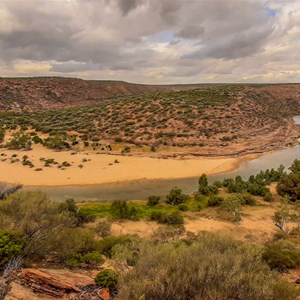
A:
(232, 239)
(247, 230)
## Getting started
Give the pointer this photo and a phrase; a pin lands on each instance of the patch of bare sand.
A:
(102, 168)
(141, 228)
(257, 225)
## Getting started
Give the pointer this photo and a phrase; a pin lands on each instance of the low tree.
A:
(289, 183)
(175, 196)
(153, 200)
(287, 217)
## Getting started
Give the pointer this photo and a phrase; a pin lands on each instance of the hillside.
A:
(38, 93)
(161, 120)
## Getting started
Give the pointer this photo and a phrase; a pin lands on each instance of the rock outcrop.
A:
(50, 284)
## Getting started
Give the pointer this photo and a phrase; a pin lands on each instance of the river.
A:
(141, 189)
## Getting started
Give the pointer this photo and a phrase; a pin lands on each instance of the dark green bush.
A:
(175, 196)
(167, 218)
(268, 197)
(247, 199)
(153, 200)
(108, 279)
(183, 207)
(215, 200)
(120, 210)
(11, 245)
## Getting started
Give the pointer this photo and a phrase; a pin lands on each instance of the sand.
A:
(101, 168)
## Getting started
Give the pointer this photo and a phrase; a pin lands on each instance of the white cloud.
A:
(152, 41)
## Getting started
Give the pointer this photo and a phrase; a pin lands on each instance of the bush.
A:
(80, 216)
(108, 279)
(177, 270)
(175, 196)
(215, 200)
(167, 218)
(11, 245)
(247, 199)
(120, 210)
(183, 207)
(268, 197)
(282, 255)
(153, 200)
(106, 245)
(103, 228)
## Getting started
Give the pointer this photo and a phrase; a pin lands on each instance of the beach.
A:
(87, 168)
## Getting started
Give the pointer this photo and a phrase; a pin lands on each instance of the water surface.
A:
(141, 189)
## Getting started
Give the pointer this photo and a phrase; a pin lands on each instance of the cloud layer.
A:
(152, 41)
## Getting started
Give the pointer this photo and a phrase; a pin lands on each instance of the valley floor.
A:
(88, 168)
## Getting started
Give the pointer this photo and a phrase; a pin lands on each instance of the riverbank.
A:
(89, 168)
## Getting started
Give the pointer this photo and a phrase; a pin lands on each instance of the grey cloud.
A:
(191, 31)
(128, 5)
(89, 35)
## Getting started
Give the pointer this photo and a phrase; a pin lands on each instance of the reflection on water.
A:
(141, 189)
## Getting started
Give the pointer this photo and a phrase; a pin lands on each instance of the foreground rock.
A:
(34, 284)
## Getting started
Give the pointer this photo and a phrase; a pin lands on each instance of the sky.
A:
(152, 41)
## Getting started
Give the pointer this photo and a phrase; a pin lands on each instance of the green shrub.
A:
(183, 207)
(167, 218)
(247, 199)
(175, 196)
(282, 255)
(268, 197)
(120, 210)
(108, 279)
(210, 267)
(106, 245)
(93, 258)
(11, 245)
(153, 200)
(215, 200)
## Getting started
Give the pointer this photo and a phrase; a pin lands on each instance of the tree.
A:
(233, 207)
(175, 196)
(153, 200)
(287, 217)
(289, 184)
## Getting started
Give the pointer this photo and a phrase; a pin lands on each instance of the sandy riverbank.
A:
(103, 168)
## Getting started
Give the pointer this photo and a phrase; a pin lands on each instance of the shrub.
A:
(11, 245)
(120, 210)
(103, 228)
(177, 270)
(106, 245)
(215, 200)
(247, 199)
(175, 196)
(183, 207)
(80, 216)
(108, 279)
(167, 218)
(153, 200)
(268, 197)
(282, 255)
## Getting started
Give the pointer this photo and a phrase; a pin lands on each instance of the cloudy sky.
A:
(152, 41)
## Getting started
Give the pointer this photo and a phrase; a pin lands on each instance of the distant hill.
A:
(39, 93)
